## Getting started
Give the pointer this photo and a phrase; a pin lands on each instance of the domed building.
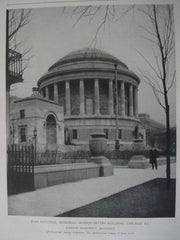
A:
(83, 83)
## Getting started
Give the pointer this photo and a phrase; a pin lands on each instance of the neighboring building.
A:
(82, 83)
(36, 114)
(155, 131)
(160, 140)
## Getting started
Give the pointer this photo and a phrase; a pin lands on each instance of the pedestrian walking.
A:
(153, 158)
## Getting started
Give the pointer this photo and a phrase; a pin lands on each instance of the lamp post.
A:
(35, 139)
(35, 135)
(117, 146)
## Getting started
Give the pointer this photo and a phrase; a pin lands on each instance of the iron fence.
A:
(55, 157)
(20, 168)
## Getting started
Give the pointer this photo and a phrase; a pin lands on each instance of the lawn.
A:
(150, 199)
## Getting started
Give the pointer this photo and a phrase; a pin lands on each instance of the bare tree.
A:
(161, 76)
(16, 20)
(106, 14)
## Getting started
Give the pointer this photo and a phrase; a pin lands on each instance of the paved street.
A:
(61, 198)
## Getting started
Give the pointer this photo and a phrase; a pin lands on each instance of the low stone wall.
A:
(49, 175)
(124, 162)
(119, 162)
(139, 161)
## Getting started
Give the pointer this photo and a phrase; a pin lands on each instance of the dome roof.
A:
(88, 63)
(87, 54)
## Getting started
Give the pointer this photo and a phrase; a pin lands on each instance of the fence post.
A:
(33, 158)
(22, 148)
(12, 156)
(19, 157)
(15, 157)
(32, 165)
(25, 159)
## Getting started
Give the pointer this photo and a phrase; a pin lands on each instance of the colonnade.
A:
(132, 97)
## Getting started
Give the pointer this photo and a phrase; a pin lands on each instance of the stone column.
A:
(44, 92)
(68, 100)
(96, 96)
(47, 92)
(56, 92)
(81, 89)
(130, 100)
(136, 101)
(111, 102)
(122, 99)
(41, 92)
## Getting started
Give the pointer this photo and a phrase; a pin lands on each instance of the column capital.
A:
(67, 83)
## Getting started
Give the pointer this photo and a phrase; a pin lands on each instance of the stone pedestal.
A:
(97, 146)
(138, 160)
(139, 146)
(106, 168)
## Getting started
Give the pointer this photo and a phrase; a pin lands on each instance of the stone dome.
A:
(92, 54)
(87, 60)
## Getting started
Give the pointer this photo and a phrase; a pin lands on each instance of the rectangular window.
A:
(120, 133)
(106, 132)
(74, 133)
(22, 113)
(22, 133)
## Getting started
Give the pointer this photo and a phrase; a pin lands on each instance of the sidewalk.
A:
(61, 198)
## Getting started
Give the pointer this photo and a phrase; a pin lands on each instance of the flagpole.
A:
(117, 146)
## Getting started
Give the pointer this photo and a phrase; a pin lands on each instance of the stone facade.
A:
(155, 131)
(83, 82)
(36, 112)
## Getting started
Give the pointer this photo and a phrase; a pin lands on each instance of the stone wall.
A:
(36, 111)
(86, 126)
(45, 176)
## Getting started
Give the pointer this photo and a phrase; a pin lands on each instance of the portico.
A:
(130, 103)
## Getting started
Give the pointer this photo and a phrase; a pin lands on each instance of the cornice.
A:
(103, 71)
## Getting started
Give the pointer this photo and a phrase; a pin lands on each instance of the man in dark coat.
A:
(153, 158)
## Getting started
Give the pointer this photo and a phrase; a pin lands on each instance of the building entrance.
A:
(51, 133)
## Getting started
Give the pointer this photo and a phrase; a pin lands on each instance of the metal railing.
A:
(14, 63)
(20, 168)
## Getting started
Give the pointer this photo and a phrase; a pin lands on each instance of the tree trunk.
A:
(167, 148)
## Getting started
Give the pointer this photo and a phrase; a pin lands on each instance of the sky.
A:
(54, 32)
